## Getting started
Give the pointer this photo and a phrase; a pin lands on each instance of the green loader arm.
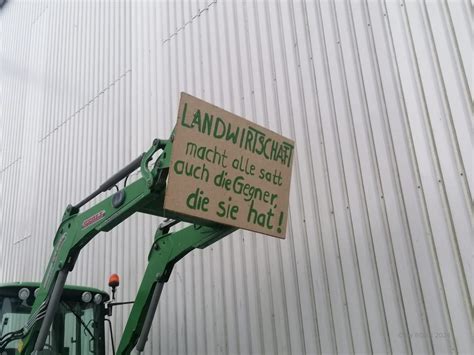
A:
(144, 195)
(167, 249)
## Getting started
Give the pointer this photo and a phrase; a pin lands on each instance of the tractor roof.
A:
(70, 288)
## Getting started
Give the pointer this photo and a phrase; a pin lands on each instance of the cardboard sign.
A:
(229, 170)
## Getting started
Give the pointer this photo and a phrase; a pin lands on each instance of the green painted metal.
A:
(166, 251)
(145, 195)
(77, 229)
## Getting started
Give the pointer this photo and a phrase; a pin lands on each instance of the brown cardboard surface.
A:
(229, 170)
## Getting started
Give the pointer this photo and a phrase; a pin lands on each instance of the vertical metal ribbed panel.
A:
(377, 96)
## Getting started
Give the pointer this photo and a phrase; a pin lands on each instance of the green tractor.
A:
(78, 326)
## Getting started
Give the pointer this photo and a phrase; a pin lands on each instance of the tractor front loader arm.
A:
(167, 249)
(76, 229)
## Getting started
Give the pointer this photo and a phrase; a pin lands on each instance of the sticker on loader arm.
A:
(229, 170)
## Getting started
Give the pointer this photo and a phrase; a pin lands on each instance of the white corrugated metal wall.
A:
(377, 96)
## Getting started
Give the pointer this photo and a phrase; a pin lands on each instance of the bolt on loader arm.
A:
(144, 195)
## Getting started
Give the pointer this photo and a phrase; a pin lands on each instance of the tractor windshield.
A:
(77, 327)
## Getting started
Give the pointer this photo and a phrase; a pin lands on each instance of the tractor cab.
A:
(78, 326)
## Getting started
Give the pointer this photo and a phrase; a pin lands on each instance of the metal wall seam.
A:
(352, 104)
(38, 244)
(466, 82)
(402, 4)
(304, 101)
(293, 301)
(461, 232)
(333, 113)
(272, 345)
(273, 253)
(29, 192)
(387, 128)
(440, 176)
(327, 185)
(403, 194)
(462, 225)
(405, 227)
(5, 183)
(374, 160)
(260, 246)
(463, 34)
(15, 145)
(18, 114)
(423, 189)
(337, 78)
